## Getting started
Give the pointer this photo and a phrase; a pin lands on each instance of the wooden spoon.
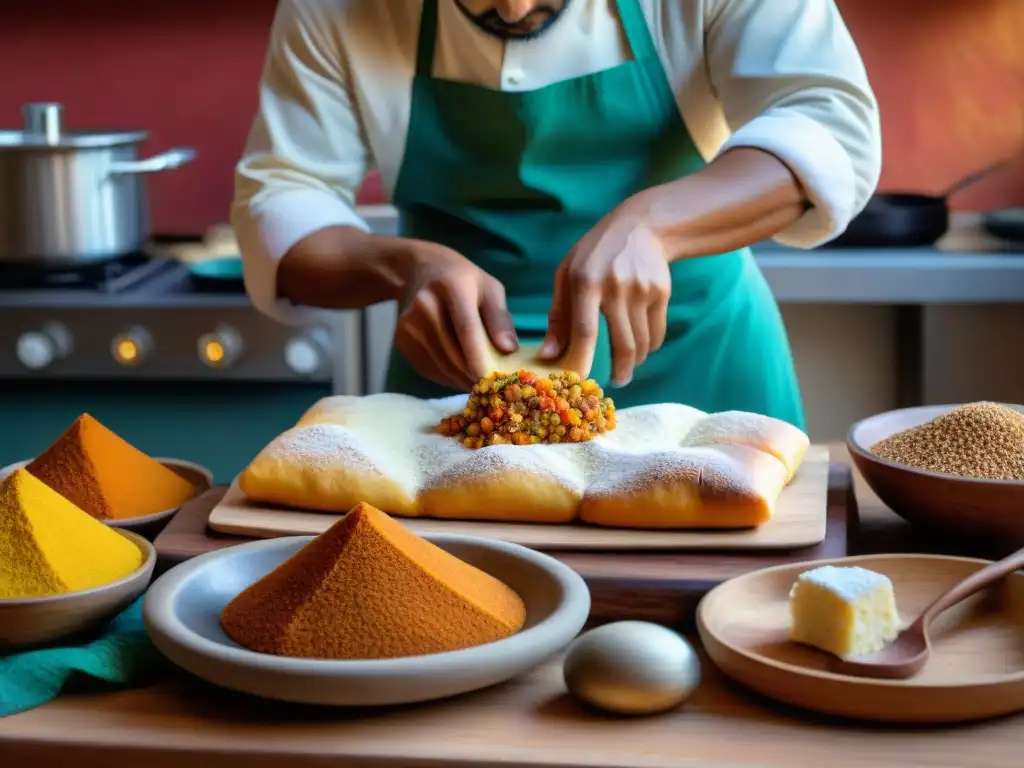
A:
(909, 652)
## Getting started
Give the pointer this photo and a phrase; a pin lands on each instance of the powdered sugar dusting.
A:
(557, 463)
(394, 435)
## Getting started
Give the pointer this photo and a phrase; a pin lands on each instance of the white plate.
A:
(182, 615)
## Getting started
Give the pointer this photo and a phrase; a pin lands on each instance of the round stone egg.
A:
(631, 668)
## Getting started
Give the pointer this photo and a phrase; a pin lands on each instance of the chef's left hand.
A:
(619, 268)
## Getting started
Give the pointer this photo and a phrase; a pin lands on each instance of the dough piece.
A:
(543, 484)
(524, 358)
(664, 466)
(727, 486)
(345, 450)
(779, 438)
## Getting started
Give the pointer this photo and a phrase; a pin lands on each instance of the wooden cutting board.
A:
(799, 521)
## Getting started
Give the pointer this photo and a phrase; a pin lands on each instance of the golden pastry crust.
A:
(728, 486)
(665, 466)
(497, 484)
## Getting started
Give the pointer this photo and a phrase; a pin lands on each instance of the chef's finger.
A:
(432, 326)
(496, 317)
(639, 324)
(657, 319)
(586, 309)
(410, 343)
(559, 317)
(468, 337)
(620, 333)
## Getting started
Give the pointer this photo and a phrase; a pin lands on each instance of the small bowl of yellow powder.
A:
(62, 572)
(959, 468)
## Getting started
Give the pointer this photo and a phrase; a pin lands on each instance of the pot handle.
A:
(165, 161)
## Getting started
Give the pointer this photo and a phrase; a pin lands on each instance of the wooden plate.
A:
(965, 506)
(976, 669)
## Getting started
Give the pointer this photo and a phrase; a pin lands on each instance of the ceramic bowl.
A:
(199, 476)
(33, 621)
(182, 615)
(970, 507)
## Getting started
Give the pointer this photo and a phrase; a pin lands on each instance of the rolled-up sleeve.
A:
(306, 155)
(792, 83)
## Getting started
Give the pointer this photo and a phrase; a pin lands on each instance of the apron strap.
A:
(428, 39)
(638, 33)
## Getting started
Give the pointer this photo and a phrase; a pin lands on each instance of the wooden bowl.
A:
(32, 621)
(976, 668)
(199, 476)
(971, 507)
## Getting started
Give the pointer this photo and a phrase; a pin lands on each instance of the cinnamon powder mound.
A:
(110, 479)
(367, 588)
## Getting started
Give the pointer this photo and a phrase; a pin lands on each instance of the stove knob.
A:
(38, 349)
(307, 353)
(221, 348)
(132, 347)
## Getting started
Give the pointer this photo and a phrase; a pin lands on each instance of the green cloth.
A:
(121, 655)
(512, 180)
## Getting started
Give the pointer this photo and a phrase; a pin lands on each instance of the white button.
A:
(35, 350)
(302, 356)
(515, 77)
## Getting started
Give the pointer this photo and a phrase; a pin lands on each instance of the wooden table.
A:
(528, 722)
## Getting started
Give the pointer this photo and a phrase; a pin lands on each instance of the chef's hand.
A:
(451, 307)
(619, 268)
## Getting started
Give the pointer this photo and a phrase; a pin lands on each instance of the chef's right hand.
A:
(450, 308)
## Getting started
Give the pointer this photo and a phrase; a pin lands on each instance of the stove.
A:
(143, 318)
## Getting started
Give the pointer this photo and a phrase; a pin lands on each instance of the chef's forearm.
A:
(344, 268)
(742, 197)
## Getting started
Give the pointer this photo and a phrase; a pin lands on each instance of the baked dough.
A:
(526, 358)
(664, 466)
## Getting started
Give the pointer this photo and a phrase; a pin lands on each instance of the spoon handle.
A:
(973, 583)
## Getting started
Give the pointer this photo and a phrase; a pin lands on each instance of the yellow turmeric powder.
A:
(105, 476)
(368, 588)
(49, 547)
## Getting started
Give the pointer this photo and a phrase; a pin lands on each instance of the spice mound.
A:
(367, 588)
(102, 474)
(983, 440)
(525, 409)
(48, 546)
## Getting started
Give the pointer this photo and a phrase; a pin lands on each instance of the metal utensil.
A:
(74, 197)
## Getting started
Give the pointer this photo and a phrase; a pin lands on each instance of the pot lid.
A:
(43, 129)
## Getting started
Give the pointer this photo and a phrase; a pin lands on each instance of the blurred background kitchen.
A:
(164, 348)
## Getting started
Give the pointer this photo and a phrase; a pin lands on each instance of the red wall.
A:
(948, 74)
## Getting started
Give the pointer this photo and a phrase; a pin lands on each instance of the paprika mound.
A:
(368, 588)
(48, 546)
(102, 474)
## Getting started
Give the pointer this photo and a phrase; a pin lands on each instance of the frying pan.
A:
(217, 275)
(904, 219)
(1007, 224)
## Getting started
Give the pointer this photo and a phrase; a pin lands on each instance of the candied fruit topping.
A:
(523, 408)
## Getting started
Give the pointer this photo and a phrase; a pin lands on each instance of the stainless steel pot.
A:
(74, 198)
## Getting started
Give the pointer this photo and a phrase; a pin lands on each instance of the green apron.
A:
(513, 180)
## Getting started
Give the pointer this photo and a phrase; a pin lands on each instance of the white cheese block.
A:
(847, 611)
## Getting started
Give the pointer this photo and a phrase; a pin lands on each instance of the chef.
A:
(587, 174)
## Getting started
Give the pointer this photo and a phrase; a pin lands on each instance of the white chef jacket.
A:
(335, 97)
